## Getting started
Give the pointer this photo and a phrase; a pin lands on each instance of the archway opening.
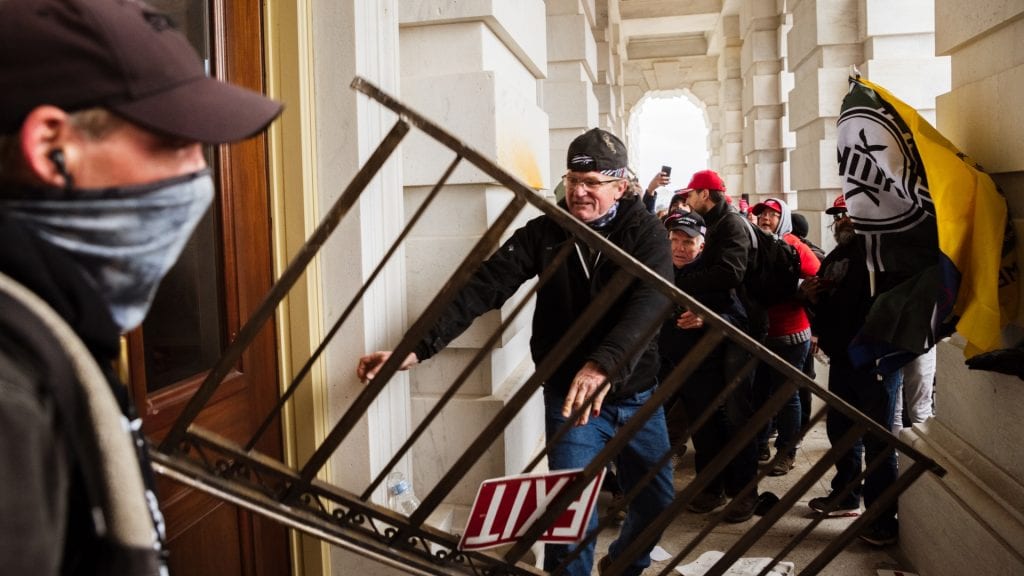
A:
(668, 129)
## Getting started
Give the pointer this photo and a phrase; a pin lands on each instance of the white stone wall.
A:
(729, 147)
(821, 46)
(972, 521)
(764, 104)
(570, 98)
(474, 68)
(348, 39)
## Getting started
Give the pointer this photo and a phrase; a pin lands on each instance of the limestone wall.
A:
(476, 68)
(972, 521)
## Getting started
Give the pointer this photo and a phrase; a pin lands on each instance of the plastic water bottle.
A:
(400, 495)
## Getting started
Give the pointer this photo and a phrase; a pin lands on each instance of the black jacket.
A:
(47, 456)
(674, 343)
(726, 250)
(840, 311)
(527, 253)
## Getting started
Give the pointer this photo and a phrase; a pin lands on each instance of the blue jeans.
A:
(788, 420)
(877, 400)
(582, 444)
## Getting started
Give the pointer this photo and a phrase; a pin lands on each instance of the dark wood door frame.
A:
(247, 273)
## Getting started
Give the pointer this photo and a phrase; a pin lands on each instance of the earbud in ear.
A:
(57, 157)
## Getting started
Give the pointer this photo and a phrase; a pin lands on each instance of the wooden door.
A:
(220, 279)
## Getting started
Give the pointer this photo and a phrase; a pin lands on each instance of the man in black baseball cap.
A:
(104, 107)
(121, 55)
(599, 385)
(596, 180)
(686, 233)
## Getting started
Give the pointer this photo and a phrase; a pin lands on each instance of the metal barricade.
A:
(297, 499)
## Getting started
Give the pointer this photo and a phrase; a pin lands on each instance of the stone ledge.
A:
(985, 515)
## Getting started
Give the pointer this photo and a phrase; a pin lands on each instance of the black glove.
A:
(1008, 361)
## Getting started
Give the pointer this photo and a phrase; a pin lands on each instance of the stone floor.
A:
(858, 559)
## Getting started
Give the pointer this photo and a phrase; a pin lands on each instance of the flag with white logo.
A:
(940, 246)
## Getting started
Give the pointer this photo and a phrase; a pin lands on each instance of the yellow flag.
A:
(974, 234)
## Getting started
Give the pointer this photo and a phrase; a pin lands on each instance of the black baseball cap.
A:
(122, 55)
(598, 150)
(688, 222)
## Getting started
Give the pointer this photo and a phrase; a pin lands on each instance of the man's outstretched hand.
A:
(589, 379)
(370, 364)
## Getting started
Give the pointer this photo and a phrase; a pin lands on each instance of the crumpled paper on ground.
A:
(742, 567)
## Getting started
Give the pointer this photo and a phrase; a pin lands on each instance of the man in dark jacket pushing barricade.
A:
(594, 193)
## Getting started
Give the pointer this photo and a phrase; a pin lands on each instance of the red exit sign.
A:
(505, 508)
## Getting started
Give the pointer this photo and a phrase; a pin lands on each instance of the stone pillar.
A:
(608, 88)
(473, 68)
(730, 102)
(822, 45)
(608, 85)
(763, 102)
(899, 47)
(343, 40)
(972, 520)
(569, 95)
(357, 37)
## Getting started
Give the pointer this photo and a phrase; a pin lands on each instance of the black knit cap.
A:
(122, 55)
(598, 150)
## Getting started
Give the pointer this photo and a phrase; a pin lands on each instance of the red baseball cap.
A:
(124, 56)
(706, 180)
(769, 204)
(838, 207)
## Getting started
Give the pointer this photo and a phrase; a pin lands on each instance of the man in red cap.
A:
(724, 263)
(104, 107)
(789, 335)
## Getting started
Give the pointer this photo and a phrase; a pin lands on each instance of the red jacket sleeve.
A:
(809, 263)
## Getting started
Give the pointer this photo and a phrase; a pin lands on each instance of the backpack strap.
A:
(98, 431)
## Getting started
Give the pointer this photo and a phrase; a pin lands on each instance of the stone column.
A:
(474, 68)
(349, 38)
(608, 84)
(972, 519)
(822, 45)
(608, 88)
(730, 162)
(343, 41)
(569, 95)
(764, 106)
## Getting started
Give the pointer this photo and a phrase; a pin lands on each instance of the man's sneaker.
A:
(764, 454)
(783, 464)
(706, 502)
(830, 507)
(880, 533)
(743, 509)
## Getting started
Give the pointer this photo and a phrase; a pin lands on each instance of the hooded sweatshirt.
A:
(788, 320)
